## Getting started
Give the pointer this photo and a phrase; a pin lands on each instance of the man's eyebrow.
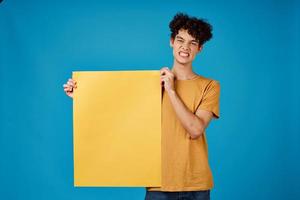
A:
(179, 37)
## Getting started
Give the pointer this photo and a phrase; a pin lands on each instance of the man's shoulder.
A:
(204, 80)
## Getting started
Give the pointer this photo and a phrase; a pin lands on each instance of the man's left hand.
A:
(167, 79)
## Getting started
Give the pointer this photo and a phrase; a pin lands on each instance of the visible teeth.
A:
(183, 54)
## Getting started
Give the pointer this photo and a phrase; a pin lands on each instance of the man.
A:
(190, 101)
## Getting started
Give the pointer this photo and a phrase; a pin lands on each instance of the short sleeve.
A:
(211, 98)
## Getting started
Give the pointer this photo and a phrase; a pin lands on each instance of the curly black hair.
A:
(198, 28)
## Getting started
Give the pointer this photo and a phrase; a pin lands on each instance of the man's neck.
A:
(183, 72)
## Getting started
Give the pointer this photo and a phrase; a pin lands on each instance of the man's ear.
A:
(200, 48)
(171, 42)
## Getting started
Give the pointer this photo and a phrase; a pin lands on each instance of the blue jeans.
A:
(192, 195)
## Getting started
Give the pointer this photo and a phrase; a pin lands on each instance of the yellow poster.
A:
(117, 128)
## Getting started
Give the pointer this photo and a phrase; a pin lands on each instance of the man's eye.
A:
(194, 43)
(180, 40)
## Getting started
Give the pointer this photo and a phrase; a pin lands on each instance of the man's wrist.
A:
(171, 92)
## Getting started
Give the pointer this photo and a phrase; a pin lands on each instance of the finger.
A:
(167, 69)
(71, 84)
(67, 85)
(163, 70)
(68, 89)
(166, 72)
(71, 81)
(75, 83)
(70, 94)
(164, 75)
(168, 76)
(165, 79)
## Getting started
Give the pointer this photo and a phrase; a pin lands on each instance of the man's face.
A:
(185, 47)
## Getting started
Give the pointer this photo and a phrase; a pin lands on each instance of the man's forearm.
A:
(192, 124)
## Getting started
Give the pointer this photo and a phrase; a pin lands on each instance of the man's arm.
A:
(194, 124)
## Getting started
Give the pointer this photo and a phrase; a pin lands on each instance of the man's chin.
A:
(183, 62)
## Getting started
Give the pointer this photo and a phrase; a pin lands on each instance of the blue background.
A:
(254, 53)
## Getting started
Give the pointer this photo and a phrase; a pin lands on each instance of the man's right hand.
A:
(69, 87)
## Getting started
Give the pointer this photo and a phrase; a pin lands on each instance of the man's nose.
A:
(185, 46)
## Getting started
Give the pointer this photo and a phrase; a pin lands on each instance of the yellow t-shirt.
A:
(185, 164)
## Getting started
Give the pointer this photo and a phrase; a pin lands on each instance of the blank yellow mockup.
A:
(117, 128)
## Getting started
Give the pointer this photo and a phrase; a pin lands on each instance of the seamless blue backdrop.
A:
(254, 53)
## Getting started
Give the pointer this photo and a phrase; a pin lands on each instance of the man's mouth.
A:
(184, 54)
